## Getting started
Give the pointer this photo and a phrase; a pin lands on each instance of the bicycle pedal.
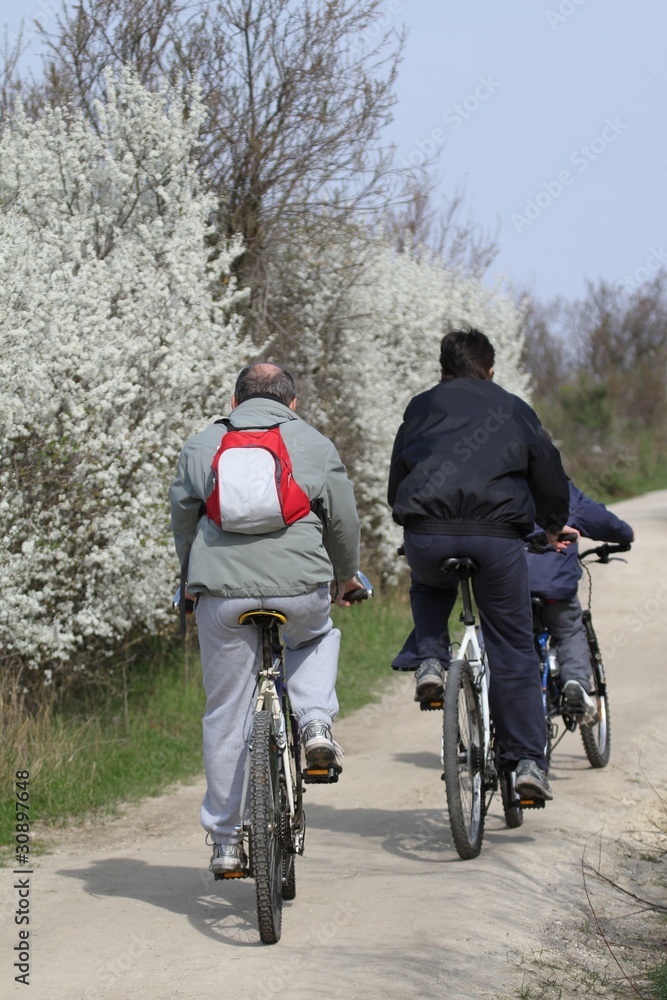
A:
(320, 775)
(225, 875)
(430, 705)
(532, 803)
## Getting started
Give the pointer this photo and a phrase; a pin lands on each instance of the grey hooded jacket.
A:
(293, 560)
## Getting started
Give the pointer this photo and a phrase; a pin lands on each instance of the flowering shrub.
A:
(112, 351)
(402, 309)
(118, 339)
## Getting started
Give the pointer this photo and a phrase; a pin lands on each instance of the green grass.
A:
(658, 977)
(372, 634)
(135, 738)
(87, 756)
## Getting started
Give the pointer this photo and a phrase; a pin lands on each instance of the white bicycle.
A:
(472, 772)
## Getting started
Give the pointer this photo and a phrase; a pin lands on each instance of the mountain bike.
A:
(595, 736)
(272, 819)
(472, 771)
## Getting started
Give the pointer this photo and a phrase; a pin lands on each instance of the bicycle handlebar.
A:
(360, 593)
(604, 551)
(538, 543)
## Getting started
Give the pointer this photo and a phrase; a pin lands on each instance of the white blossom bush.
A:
(113, 349)
(401, 309)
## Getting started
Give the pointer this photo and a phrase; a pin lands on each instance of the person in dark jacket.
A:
(555, 577)
(471, 472)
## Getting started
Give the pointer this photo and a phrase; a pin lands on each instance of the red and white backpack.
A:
(254, 490)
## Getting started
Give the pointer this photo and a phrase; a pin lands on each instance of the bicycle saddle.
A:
(461, 565)
(262, 618)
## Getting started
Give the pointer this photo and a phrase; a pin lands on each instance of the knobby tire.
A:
(597, 738)
(265, 820)
(511, 804)
(463, 759)
(552, 710)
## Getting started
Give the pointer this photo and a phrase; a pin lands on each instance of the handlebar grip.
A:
(358, 594)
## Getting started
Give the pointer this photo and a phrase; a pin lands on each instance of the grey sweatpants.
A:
(563, 619)
(230, 655)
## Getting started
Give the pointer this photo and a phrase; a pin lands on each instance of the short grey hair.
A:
(264, 380)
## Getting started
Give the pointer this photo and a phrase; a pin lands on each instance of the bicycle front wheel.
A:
(463, 759)
(266, 826)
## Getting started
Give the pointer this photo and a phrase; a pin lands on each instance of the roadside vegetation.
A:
(141, 730)
(597, 371)
(614, 948)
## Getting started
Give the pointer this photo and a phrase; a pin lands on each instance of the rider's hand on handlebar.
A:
(562, 539)
(338, 590)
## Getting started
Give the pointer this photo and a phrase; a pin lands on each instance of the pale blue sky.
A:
(550, 112)
(560, 75)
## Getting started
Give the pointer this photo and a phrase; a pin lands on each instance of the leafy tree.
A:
(297, 97)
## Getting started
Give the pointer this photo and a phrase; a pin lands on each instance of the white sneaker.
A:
(579, 704)
(320, 748)
(228, 858)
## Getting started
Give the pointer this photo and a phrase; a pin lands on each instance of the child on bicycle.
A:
(554, 577)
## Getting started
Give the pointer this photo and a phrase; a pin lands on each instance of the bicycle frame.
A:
(470, 644)
(271, 688)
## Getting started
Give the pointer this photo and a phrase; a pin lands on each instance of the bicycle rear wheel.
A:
(463, 759)
(597, 737)
(553, 710)
(511, 802)
(266, 802)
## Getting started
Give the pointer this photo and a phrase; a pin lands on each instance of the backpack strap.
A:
(317, 507)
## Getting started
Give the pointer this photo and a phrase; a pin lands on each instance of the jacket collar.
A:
(261, 412)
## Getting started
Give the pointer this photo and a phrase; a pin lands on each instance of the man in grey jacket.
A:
(295, 570)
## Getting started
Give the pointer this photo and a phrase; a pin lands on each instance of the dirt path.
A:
(384, 907)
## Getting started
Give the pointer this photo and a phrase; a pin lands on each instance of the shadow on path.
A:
(222, 910)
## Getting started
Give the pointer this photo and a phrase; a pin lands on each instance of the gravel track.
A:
(384, 907)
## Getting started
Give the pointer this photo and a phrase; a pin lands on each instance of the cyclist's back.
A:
(471, 471)
(289, 570)
(282, 563)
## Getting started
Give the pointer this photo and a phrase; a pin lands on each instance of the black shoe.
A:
(532, 782)
(430, 681)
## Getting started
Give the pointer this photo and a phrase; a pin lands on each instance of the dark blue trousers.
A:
(502, 595)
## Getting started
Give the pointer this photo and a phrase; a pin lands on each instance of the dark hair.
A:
(466, 353)
(264, 380)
